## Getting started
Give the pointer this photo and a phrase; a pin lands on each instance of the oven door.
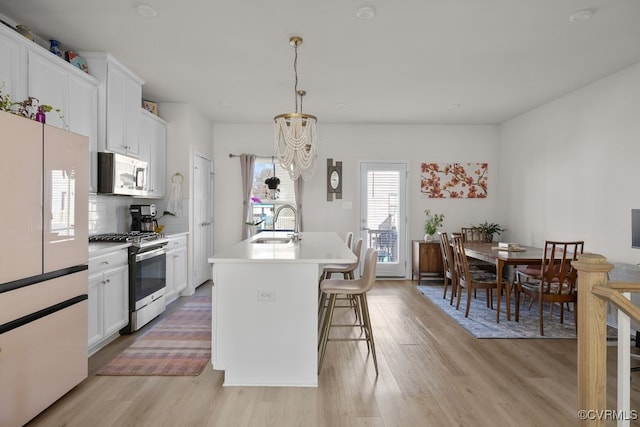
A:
(150, 274)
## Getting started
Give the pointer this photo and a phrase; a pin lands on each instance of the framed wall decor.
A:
(334, 180)
(151, 107)
(454, 180)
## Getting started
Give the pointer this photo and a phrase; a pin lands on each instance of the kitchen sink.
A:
(272, 240)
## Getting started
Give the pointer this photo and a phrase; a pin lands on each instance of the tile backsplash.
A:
(110, 214)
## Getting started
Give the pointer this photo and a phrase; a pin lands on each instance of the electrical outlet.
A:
(268, 295)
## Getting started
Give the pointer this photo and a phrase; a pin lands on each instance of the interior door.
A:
(202, 218)
(383, 214)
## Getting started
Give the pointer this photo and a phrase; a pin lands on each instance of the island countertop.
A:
(313, 247)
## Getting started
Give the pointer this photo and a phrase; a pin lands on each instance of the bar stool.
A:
(357, 288)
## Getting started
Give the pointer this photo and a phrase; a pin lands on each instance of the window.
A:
(265, 202)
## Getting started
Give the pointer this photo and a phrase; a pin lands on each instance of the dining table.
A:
(490, 252)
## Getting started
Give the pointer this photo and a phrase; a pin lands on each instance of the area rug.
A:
(179, 344)
(481, 322)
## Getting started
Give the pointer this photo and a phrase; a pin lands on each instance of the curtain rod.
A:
(259, 157)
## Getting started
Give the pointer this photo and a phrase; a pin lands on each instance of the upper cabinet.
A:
(154, 151)
(13, 73)
(27, 69)
(120, 98)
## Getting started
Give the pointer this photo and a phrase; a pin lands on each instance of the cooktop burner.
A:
(136, 237)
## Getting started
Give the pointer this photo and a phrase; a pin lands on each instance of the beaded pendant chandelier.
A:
(295, 133)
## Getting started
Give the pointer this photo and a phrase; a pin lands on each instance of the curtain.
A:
(247, 162)
(298, 186)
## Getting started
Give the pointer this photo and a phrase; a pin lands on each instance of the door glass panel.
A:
(383, 215)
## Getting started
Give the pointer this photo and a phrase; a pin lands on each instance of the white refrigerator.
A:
(43, 266)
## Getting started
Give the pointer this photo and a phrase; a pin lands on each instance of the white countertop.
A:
(314, 247)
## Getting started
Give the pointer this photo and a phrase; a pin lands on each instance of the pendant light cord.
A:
(295, 71)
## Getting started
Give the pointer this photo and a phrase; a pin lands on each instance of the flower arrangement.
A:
(433, 223)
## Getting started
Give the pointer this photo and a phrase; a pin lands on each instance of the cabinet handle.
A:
(104, 263)
(108, 280)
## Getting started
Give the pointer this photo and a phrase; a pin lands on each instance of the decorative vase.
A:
(428, 237)
(55, 48)
(41, 116)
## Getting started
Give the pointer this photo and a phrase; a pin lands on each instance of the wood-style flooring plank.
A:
(431, 372)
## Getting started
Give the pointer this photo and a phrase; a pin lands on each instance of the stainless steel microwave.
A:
(118, 174)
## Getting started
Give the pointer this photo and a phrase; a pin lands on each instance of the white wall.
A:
(188, 131)
(570, 169)
(350, 143)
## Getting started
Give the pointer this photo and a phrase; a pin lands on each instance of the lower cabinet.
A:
(427, 260)
(108, 298)
(176, 267)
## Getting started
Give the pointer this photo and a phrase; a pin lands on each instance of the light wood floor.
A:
(432, 373)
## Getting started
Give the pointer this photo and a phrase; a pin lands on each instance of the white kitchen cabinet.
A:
(57, 83)
(119, 102)
(153, 150)
(108, 298)
(176, 266)
(13, 63)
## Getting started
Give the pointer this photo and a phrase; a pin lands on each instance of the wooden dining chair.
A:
(556, 282)
(472, 234)
(448, 266)
(470, 281)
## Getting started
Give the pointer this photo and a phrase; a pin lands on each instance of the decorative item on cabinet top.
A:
(151, 107)
(77, 60)
(30, 107)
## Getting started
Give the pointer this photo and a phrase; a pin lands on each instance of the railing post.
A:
(592, 338)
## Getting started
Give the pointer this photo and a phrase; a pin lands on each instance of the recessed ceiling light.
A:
(454, 106)
(226, 104)
(146, 11)
(366, 12)
(341, 106)
(581, 15)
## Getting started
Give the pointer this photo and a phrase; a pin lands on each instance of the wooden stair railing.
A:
(593, 294)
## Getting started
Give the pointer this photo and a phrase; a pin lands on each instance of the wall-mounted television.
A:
(635, 228)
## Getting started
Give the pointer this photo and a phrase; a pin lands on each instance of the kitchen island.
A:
(265, 307)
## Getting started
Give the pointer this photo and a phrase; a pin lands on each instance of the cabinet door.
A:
(65, 199)
(180, 270)
(48, 83)
(94, 323)
(170, 291)
(115, 301)
(21, 167)
(12, 65)
(153, 150)
(82, 118)
(133, 101)
(116, 101)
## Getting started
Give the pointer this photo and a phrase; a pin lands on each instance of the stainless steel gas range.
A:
(147, 275)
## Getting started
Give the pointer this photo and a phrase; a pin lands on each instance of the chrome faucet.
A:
(296, 227)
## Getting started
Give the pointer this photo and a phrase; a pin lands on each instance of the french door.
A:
(383, 214)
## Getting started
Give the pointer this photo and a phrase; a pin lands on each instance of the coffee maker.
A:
(143, 217)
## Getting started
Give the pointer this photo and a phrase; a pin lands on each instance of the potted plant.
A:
(432, 224)
(272, 182)
(489, 229)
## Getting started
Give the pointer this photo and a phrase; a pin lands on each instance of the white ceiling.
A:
(232, 58)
